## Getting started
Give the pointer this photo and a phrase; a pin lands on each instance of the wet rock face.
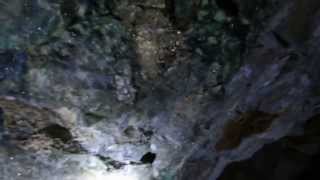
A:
(247, 124)
(166, 90)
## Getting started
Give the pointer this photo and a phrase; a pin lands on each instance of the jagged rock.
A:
(291, 157)
(162, 90)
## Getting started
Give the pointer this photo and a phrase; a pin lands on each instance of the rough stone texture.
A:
(291, 157)
(168, 90)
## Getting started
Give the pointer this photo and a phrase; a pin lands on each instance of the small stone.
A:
(212, 40)
(245, 21)
(202, 14)
(199, 51)
(220, 16)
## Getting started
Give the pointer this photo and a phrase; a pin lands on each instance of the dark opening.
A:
(229, 7)
(282, 41)
(148, 158)
(57, 131)
(170, 10)
(147, 133)
(1, 122)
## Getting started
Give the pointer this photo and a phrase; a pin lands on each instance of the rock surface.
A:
(159, 90)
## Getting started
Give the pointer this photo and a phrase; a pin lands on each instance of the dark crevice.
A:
(1, 123)
(311, 171)
(148, 158)
(110, 162)
(57, 131)
(170, 9)
(147, 133)
(282, 41)
(230, 7)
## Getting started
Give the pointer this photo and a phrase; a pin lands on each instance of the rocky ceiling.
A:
(159, 89)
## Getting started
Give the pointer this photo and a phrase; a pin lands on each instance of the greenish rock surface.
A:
(151, 90)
